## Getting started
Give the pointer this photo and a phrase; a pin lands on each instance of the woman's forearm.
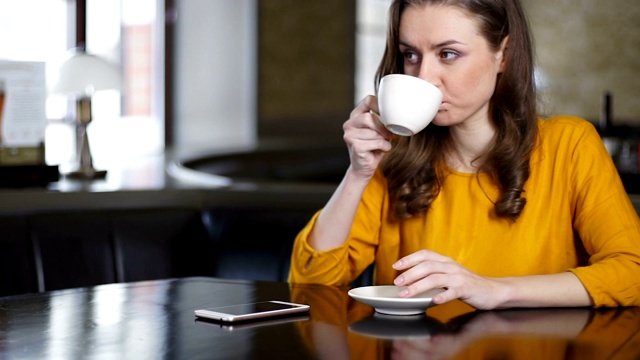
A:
(556, 290)
(334, 222)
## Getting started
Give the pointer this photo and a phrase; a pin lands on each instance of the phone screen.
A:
(253, 308)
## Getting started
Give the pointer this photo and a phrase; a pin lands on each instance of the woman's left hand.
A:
(425, 270)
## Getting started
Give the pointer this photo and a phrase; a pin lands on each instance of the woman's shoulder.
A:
(566, 127)
(559, 122)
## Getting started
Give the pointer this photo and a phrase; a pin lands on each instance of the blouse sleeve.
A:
(608, 225)
(343, 264)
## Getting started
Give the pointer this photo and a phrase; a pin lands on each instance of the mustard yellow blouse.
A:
(578, 218)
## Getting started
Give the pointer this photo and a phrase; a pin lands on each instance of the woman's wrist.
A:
(507, 293)
(355, 178)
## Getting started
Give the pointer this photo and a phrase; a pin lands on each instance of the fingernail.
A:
(404, 293)
(397, 264)
(399, 280)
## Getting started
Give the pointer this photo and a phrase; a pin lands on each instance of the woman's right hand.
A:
(366, 137)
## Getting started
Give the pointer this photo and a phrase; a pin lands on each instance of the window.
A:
(126, 124)
(371, 33)
(29, 35)
(131, 125)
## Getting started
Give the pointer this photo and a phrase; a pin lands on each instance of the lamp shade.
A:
(83, 74)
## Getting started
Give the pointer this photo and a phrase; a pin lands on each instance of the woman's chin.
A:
(441, 119)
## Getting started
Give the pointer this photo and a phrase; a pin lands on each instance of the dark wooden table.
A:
(154, 320)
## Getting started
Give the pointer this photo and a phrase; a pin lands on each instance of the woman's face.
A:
(443, 45)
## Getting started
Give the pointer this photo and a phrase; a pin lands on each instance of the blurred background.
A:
(204, 74)
(225, 133)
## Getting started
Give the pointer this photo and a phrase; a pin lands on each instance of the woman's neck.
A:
(469, 145)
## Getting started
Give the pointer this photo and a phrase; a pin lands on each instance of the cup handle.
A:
(375, 115)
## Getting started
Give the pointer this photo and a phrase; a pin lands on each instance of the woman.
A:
(497, 206)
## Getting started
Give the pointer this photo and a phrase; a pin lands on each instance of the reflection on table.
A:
(154, 319)
(457, 331)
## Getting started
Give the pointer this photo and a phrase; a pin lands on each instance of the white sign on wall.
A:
(22, 103)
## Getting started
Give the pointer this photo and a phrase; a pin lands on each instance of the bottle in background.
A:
(606, 113)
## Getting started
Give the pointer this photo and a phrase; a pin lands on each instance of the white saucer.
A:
(385, 299)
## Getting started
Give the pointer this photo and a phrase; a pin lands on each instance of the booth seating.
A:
(60, 250)
(17, 267)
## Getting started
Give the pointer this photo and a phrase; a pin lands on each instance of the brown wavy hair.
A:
(414, 167)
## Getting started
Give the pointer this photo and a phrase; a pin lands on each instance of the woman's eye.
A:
(448, 55)
(410, 56)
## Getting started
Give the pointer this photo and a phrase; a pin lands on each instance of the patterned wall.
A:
(585, 47)
(306, 66)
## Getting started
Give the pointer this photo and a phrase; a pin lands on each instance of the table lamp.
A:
(80, 76)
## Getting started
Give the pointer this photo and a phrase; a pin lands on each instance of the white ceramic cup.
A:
(407, 104)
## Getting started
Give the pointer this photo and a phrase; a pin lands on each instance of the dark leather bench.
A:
(17, 274)
(253, 244)
(59, 250)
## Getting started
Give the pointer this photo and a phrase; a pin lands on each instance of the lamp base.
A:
(86, 175)
(85, 169)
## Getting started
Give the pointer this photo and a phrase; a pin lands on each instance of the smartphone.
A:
(252, 311)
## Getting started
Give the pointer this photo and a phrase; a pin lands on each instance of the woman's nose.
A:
(428, 72)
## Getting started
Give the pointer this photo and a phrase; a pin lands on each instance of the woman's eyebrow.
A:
(435, 46)
(447, 43)
(405, 44)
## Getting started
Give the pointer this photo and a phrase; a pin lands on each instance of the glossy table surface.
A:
(155, 320)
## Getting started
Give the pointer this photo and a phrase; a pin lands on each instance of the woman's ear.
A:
(501, 54)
